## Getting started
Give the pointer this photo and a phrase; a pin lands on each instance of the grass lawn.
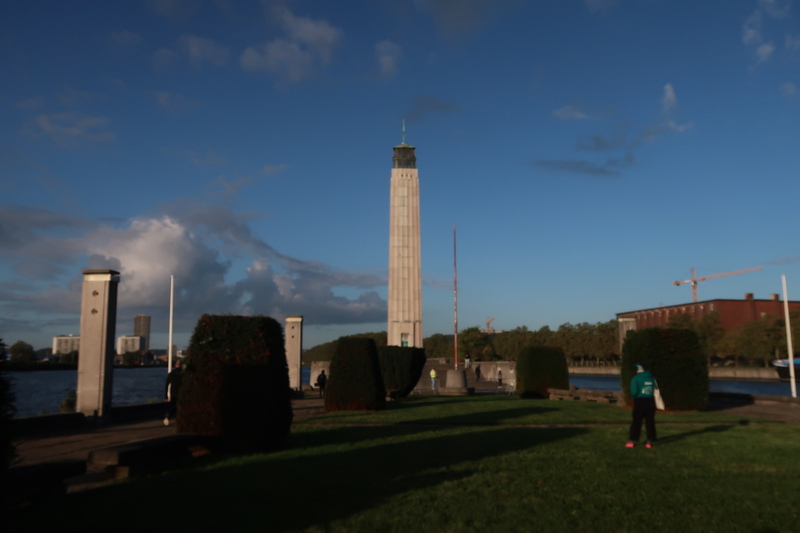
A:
(491, 463)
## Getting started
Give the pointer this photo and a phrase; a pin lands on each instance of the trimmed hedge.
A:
(355, 382)
(676, 359)
(540, 368)
(7, 411)
(236, 383)
(401, 368)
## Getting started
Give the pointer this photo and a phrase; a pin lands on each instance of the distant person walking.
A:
(467, 361)
(643, 387)
(322, 380)
(172, 390)
(499, 378)
(433, 379)
(477, 372)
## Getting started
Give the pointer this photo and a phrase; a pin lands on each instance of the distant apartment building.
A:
(65, 344)
(732, 313)
(141, 328)
(130, 343)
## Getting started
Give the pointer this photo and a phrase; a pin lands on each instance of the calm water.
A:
(765, 388)
(40, 392)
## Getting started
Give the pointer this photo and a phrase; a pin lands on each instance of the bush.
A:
(677, 361)
(7, 412)
(540, 368)
(236, 383)
(355, 382)
(401, 368)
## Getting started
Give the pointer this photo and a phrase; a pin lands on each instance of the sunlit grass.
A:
(472, 464)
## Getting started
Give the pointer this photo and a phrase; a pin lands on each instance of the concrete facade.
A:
(732, 313)
(141, 328)
(65, 344)
(405, 257)
(293, 343)
(129, 343)
(98, 323)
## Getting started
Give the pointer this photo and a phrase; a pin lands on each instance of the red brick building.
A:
(732, 313)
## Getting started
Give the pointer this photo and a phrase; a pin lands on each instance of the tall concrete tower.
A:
(405, 257)
(141, 328)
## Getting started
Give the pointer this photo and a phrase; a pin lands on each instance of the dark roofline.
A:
(706, 301)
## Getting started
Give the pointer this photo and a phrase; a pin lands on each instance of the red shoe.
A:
(648, 445)
(630, 444)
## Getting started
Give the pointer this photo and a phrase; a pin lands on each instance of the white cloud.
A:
(72, 129)
(764, 52)
(793, 43)
(272, 170)
(279, 57)
(669, 100)
(388, 55)
(788, 88)
(308, 43)
(205, 247)
(570, 112)
(751, 33)
(202, 50)
(775, 8)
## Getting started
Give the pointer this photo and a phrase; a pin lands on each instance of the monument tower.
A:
(405, 258)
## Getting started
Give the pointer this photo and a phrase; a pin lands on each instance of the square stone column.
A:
(294, 349)
(96, 358)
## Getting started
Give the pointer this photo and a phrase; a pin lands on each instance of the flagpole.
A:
(455, 301)
(171, 307)
(789, 338)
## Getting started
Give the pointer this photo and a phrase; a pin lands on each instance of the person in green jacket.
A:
(643, 387)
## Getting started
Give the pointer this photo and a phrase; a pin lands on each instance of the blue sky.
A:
(591, 152)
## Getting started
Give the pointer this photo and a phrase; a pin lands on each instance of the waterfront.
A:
(40, 392)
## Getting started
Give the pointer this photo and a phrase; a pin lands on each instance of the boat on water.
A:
(782, 366)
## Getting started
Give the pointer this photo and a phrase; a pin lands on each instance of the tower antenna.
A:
(404, 131)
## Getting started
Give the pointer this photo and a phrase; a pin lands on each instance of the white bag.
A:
(659, 400)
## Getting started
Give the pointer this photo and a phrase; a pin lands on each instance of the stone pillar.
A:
(404, 326)
(293, 343)
(96, 359)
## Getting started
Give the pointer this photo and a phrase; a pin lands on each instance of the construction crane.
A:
(694, 279)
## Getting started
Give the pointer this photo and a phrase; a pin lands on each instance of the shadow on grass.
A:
(687, 434)
(300, 488)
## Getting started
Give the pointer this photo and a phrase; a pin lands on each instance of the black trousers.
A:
(643, 409)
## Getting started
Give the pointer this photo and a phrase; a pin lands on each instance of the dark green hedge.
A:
(540, 368)
(355, 382)
(7, 412)
(236, 383)
(401, 368)
(676, 359)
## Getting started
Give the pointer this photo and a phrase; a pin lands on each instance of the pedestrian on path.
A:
(433, 379)
(477, 372)
(643, 387)
(172, 391)
(499, 378)
(322, 379)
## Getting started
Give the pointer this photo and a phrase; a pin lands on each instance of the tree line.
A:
(754, 343)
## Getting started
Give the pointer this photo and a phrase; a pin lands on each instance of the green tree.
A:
(439, 346)
(476, 343)
(21, 352)
(7, 412)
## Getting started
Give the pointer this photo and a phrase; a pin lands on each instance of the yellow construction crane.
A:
(694, 279)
